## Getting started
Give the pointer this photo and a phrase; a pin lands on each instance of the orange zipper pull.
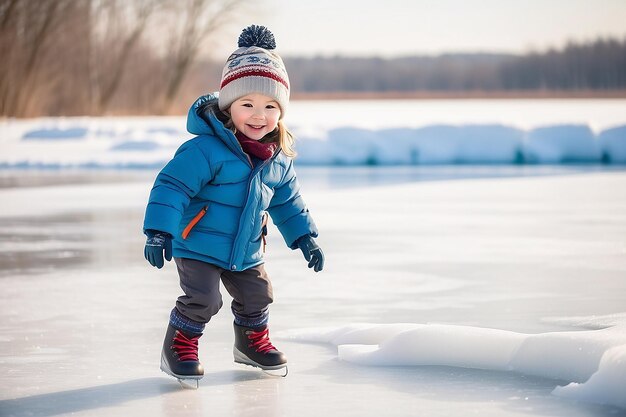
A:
(194, 221)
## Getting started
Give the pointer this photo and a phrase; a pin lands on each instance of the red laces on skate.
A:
(260, 341)
(186, 347)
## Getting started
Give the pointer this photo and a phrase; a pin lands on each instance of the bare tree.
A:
(118, 29)
(27, 27)
(200, 20)
(70, 57)
(7, 12)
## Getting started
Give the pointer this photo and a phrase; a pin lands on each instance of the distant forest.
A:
(119, 57)
(598, 65)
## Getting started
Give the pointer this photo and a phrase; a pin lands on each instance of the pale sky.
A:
(390, 28)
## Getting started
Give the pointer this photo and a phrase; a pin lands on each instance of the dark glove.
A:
(156, 243)
(311, 252)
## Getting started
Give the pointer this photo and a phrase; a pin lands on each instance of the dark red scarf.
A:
(255, 148)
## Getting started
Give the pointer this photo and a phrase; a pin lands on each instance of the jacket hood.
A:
(202, 120)
(199, 120)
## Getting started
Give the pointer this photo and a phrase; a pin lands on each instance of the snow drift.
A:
(612, 144)
(592, 362)
(150, 142)
(558, 144)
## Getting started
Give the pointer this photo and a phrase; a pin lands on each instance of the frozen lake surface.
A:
(469, 266)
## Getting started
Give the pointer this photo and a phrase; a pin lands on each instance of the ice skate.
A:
(179, 357)
(253, 347)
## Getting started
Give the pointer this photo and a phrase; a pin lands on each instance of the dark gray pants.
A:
(251, 291)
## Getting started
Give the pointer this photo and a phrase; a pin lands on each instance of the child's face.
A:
(255, 115)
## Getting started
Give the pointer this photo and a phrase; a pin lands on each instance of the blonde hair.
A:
(281, 135)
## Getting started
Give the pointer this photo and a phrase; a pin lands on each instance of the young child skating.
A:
(209, 208)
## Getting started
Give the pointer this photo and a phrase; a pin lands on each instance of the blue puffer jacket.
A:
(212, 194)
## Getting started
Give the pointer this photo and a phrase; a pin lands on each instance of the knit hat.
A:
(255, 68)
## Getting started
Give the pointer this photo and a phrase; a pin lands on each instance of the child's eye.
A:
(270, 106)
(247, 104)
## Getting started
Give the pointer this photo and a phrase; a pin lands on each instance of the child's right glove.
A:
(311, 252)
(156, 243)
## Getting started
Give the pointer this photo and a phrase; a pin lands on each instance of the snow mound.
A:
(464, 144)
(352, 146)
(435, 144)
(468, 144)
(152, 141)
(56, 134)
(613, 143)
(558, 144)
(312, 151)
(606, 386)
(139, 146)
(593, 362)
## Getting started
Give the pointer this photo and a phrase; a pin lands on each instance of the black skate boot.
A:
(253, 347)
(179, 357)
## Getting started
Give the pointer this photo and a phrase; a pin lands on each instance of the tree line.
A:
(96, 57)
(595, 65)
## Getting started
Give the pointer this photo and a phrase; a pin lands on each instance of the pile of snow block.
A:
(470, 144)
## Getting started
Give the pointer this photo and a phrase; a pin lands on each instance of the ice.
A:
(516, 285)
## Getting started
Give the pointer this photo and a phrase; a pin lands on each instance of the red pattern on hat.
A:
(252, 72)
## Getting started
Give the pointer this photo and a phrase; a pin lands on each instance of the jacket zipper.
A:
(264, 229)
(194, 221)
(255, 171)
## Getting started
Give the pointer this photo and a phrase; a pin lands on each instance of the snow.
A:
(594, 356)
(606, 385)
(90, 142)
(56, 134)
(612, 141)
(497, 297)
(348, 132)
(558, 144)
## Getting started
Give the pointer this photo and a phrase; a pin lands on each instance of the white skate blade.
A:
(187, 382)
(281, 372)
(277, 370)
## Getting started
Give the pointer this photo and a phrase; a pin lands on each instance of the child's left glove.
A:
(156, 243)
(311, 252)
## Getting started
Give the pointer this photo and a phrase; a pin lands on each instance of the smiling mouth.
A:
(257, 126)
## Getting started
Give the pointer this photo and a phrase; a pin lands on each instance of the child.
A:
(209, 208)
